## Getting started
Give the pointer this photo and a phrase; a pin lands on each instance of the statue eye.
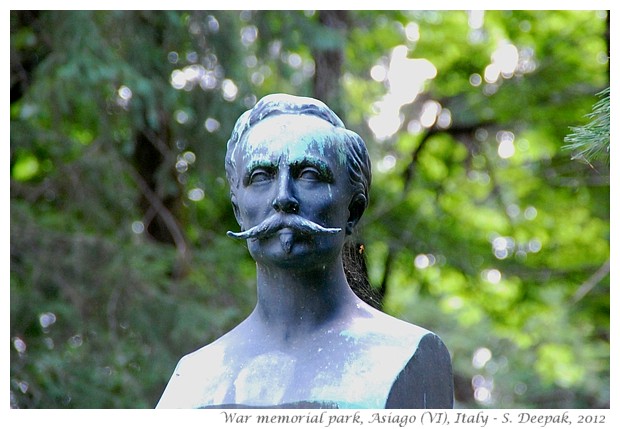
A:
(310, 174)
(259, 175)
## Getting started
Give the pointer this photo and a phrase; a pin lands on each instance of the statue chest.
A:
(360, 378)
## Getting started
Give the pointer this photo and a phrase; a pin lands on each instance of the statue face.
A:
(291, 170)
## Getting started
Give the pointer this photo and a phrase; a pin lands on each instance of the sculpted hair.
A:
(358, 161)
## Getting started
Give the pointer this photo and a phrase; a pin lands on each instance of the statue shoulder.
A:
(198, 378)
(414, 361)
(426, 381)
(392, 329)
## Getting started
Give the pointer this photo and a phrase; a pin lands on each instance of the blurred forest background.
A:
(483, 226)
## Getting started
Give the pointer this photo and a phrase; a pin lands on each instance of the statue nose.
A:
(286, 204)
(285, 201)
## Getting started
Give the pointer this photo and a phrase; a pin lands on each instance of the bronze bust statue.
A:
(299, 183)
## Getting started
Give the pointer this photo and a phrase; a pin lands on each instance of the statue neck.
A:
(297, 301)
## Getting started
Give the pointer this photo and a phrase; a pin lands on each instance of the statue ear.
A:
(356, 210)
(233, 201)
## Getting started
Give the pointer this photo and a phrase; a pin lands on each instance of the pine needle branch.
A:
(591, 141)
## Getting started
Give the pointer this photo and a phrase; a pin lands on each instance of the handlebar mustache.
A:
(278, 221)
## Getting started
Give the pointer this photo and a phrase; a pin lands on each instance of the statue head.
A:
(358, 161)
(299, 139)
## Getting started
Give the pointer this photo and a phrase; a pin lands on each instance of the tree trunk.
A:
(329, 62)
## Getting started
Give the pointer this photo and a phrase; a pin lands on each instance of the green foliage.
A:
(592, 140)
(480, 228)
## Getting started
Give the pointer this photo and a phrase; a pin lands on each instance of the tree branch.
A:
(167, 217)
(591, 282)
